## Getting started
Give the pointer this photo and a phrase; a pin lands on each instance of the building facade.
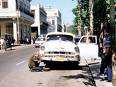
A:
(40, 21)
(15, 19)
(54, 19)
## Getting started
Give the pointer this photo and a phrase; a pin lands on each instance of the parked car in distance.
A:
(89, 50)
(39, 41)
(76, 39)
(60, 47)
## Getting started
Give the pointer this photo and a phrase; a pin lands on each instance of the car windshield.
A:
(60, 37)
(77, 39)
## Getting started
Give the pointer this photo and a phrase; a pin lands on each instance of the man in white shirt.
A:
(2, 41)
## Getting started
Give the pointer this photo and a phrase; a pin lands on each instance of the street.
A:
(53, 43)
(14, 72)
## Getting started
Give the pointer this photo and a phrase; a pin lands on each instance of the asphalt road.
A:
(14, 72)
(11, 60)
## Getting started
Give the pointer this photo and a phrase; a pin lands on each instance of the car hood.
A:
(36, 42)
(59, 45)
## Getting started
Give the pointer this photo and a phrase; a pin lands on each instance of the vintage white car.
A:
(59, 47)
(39, 41)
(88, 50)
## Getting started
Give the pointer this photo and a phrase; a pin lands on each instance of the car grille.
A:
(59, 52)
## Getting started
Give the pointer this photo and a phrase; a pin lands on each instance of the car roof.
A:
(89, 36)
(60, 33)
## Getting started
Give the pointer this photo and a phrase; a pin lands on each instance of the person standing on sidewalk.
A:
(2, 41)
(107, 54)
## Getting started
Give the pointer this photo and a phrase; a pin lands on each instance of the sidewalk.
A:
(100, 81)
(15, 47)
(104, 83)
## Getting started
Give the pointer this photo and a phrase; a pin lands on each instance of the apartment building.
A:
(54, 19)
(40, 25)
(15, 19)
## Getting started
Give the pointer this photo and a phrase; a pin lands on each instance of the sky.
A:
(64, 6)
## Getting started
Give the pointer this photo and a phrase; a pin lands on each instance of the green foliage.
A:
(75, 12)
(100, 12)
(73, 29)
(84, 14)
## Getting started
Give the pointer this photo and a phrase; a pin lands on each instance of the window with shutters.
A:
(4, 3)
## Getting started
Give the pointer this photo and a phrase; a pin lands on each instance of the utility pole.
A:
(91, 16)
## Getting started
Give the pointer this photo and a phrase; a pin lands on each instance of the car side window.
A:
(83, 40)
(91, 39)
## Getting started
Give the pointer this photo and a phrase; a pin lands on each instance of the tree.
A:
(93, 14)
(91, 3)
(77, 20)
(81, 15)
(113, 33)
(101, 17)
(100, 12)
(73, 30)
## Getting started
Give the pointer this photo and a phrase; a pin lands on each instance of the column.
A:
(3, 28)
(56, 25)
(15, 31)
(38, 19)
(38, 30)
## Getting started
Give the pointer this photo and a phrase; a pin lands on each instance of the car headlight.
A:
(42, 48)
(76, 49)
(77, 57)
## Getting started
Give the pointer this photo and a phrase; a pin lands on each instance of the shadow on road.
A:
(89, 74)
(9, 49)
(78, 76)
(86, 73)
(64, 66)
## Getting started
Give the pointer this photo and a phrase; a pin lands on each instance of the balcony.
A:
(26, 14)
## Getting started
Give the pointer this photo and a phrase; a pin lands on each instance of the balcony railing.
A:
(26, 12)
